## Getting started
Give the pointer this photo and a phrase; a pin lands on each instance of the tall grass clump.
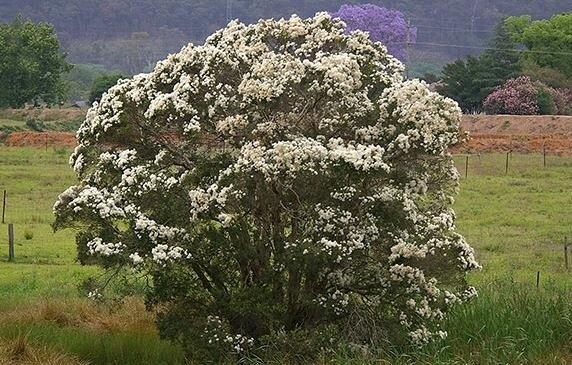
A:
(509, 323)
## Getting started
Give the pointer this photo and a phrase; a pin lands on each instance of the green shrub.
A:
(35, 125)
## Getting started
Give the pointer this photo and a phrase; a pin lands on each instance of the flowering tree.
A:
(523, 96)
(278, 179)
(515, 96)
(384, 25)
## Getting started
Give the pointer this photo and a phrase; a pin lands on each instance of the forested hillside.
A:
(130, 35)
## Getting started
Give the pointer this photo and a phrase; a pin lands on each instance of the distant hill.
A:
(131, 35)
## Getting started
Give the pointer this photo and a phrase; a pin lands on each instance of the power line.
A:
(455, 29)
(487, 48)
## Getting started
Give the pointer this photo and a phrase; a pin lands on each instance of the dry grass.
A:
(20, 351)
(129, 316)
(44, 114)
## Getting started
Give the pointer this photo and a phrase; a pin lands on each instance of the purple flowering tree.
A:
(515, 96)
(384, 25)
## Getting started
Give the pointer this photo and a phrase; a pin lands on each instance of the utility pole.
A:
(473, 15)
(228, 10)
(407, 43)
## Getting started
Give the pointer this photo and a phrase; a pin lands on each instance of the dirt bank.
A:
(519, 133)
(488, 133)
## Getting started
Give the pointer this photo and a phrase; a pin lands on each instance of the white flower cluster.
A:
(335, 301)
(97, 246)
(162, 253)
(216, 333)
(307, 154)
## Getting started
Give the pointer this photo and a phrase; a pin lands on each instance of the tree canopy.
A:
(101, 84)
(31, 64)
(387, 26)
(469, 81)
(548, 42)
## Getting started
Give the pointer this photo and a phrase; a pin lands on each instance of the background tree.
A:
(469, 81)
(548, 41)
(276, 184)
(466, 81)
(387, 26)
(101, 84)
(81, 78)
(523, 96)
(31, 64)
(100, 32)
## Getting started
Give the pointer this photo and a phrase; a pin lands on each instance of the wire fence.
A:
(30, 182)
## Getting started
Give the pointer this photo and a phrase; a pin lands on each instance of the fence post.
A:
(538, 279)
(506, 167)
(10, 242)
(544, 154)
(4, 207)
(466, 166)
(566, 253)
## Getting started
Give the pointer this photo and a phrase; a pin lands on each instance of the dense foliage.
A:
(101, 84)
(387, 26)
(31, 64)
(548, 42)
(516, 96)
(277, 183)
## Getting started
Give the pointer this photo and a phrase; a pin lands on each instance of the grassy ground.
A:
(59, 120)
(39, 290)
(516, 222)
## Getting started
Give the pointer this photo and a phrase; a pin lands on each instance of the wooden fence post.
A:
(566, 253)
(544, 154)
(537, 279)
(506, 167)
(10, 242)
(466, 166)
(4, 207)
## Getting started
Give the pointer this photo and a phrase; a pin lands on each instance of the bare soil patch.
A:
(518, 133)
(488, 133)
(40, 139)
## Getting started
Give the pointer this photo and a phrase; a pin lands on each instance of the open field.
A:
(516, 222)
(40, 119)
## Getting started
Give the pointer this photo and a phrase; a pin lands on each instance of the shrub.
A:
(101, 84)
(275, 183)
(515, 96)
(28, 235)
(562, 98)
(544, 101)
(35, 124)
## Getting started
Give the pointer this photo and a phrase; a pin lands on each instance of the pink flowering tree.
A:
(515, 96)
(524, 96)
(274, 183)
(386, 26)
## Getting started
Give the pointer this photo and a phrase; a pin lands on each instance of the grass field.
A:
(517, 223)
(41, 119)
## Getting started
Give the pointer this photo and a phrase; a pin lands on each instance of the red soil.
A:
(488, 133)
(525, 134)
(40, 139)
